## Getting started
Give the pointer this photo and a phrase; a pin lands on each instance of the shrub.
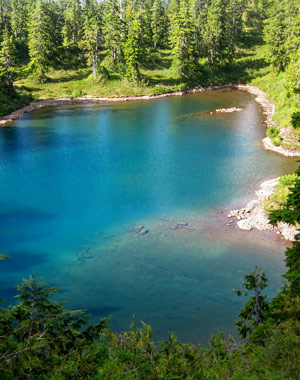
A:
(296, 120)
(272, 132)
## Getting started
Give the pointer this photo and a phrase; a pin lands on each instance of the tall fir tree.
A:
(92, 36)
(159, 24)
(72, 27)
(39, 41)
(213, 33)
(19, 19)
(7, 62)
(134, 47)
(182, 40)
(113, 29)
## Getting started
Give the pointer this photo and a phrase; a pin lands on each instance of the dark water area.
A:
(76, 181)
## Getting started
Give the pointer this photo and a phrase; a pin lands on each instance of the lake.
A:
(79, 183)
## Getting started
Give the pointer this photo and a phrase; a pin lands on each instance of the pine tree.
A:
(113, 29)
(158, 23)
(255, 310)
(72, 28)
(182, 41)
(19, 20)
(134, 48)
(7, 61)
(275, 37)
(233, 26)
(40, 337)
(92, 37)
(213, 33)
(39, 40)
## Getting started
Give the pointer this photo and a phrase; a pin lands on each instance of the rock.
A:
(87, 255)
(143, 232)
(183, 224)
(255, 216)
(228, 110)
(177, 225)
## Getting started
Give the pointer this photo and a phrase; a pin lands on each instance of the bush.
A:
(288, 180)
(272, 132)
(296, 120)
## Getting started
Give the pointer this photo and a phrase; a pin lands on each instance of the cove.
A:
(77, 181)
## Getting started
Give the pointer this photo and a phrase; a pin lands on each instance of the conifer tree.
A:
(182, 40)
(233, 26)
(158, 23)
(7, 61)
(214, 31)
(134, 48)
(113, 29)
(19, 20)
(92, 36)
(72, 24)
(39, 40)
(275, 36)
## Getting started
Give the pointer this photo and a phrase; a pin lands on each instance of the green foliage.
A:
(272, 132)
(296, 120)
(134, 45)
(290, 213)
(39, 43)
(91, 41)
(278, 199)
(113, 30)
(255, 310)
(7, 62)
(182, 41)
(40, 337)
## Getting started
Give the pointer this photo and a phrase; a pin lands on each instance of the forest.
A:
(74, 48)
(71, 48)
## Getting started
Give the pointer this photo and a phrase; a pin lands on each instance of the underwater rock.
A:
(143, 232)
(177, 225)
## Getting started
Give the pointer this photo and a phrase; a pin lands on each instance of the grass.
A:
(277, 200)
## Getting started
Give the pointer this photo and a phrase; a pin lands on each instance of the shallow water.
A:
(76, 180)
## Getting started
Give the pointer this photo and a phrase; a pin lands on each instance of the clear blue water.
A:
(75, 181)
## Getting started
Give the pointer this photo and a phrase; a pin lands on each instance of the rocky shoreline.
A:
(253, 215)
(268, 107)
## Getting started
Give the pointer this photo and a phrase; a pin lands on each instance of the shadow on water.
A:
(102, 311)
(8, 294)
(22, 216)
(22, 261)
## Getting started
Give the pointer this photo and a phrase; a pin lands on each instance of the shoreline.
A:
(253, 215)
(260, 97)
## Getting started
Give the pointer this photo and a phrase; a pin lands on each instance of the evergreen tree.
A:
(213, 33)
(92, 36)
(19, 20)
(113, 29)
(39, 40)
(134, 47)
(233, 26)
(275, 36)
(182, 40)
(158, 23)
(255, 310)
(7, 62)
(39, 337)
(72, 24)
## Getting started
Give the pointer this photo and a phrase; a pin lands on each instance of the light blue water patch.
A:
(76, 180)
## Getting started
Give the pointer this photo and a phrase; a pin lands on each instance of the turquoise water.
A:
(75, 182)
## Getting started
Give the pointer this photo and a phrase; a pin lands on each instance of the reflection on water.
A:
(76, 182)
